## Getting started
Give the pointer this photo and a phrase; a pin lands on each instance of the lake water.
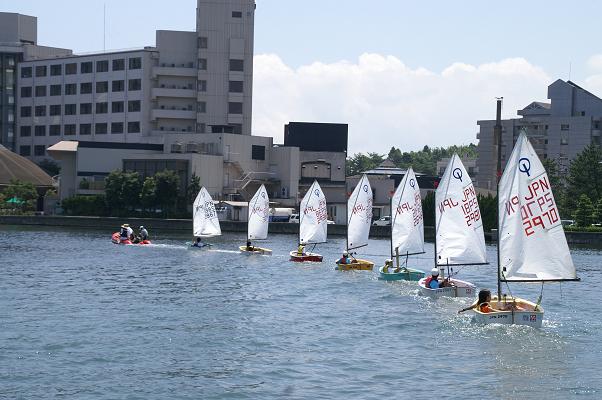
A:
(83, 318)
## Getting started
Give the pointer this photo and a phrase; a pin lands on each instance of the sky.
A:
(400, 73)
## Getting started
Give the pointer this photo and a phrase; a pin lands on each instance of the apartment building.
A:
(558, 130)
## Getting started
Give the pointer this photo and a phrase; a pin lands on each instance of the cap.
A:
(126, 225)
(389, 261)
(345, 253)
(435, 272)
(141, 227)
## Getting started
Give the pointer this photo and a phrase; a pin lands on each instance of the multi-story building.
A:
(558, 130)
(18, 42)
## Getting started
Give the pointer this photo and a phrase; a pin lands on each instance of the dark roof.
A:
(13, 166)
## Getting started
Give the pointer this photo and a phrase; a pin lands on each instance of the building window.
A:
(85, 129)
(202, 107)
(40, 130)
(201, 128)
(257, 152)
(202, 86)
(70, 109)
(26, 111)
(202, 42)
(55, 130)
(86, 67)
(85, 108)
(117, 127)
(102, 66)
(564, 127)
(135, 63)
(102, 87)
(118, 86)
(26, 91)
(25, 131)
(134, 84)
(134, 127)
(40, 91)
(40, 111)
(25, 151)
(70, 89)
(39, 150)
(117, 107)
(237, 65)
(236, 129)
(236, 14)
(55, 109)
(102, 108)
(56, 69)
(235, 87)
(55, 90)
(100, 128)
(85, 88)
(71, 69)
(26, 72)
(203, 64)
(234, 107)
(134, 106)
(41, 70)
(119, 64)
(69, 129)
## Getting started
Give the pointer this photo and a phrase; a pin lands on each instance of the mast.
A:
(497, 133)
(392, 222)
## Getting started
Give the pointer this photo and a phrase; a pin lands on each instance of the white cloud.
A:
(386, 103)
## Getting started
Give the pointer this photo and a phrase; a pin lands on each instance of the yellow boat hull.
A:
(356, 264)
(256, 250)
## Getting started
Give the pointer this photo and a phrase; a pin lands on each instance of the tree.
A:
(113, 186)
(428, 209)
(556, 183)
(50, 167)
(193, 188)
(130, 191)
(584, 212)
(598, 212)
(166, 192)
(585, 176)
(22, 195)
(148, 199)
(359, 162)
(488, 208)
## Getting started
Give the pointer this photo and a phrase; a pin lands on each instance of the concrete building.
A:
(18, 42)
(469, 163)
(558, 130)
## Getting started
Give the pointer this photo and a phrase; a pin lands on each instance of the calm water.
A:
(83, 318)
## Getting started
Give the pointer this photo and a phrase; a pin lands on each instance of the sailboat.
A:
(359, 219)
(257, 225)
(532, 246)
(459, 237)
(407, 230)
(205, 223)
(312, 224)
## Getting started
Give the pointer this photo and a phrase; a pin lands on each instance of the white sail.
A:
(407, 225)
(204, 216)
(459, 226)
(359, 214)
(313, 216)
(532, 241)
(259, 215)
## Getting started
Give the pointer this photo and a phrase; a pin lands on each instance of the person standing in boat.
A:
(143, 233)
(123, 233)
(432, 281)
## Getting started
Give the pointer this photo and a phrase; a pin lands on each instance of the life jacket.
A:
(485, 308)
(428, 281)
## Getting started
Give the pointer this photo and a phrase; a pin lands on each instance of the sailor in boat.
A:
(301, 250)
(345, 259)
(432, 281)
(249, 246)
(388, 263)
(143, 233)
(126, 232)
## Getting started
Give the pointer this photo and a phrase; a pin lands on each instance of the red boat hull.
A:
(116, 239)
(308, 257)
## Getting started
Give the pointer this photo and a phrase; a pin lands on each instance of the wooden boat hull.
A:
(356, 264)
(116, 239)
(256, 250)
(523, 313)
(458, 289)
(405, 274)
(307, 257)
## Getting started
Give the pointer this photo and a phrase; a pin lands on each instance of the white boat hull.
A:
(518, 312)
(458, 289)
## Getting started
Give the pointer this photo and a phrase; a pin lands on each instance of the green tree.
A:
(130, 191)
(557, 185)
(598, 212)
(24, 194)
(488, 207)
(193, 188)
(359, 162)
(584, 212)
(50, 167)
(585, 177)
(428, 209)
(113, 186)
(166, 192)
(148, 199)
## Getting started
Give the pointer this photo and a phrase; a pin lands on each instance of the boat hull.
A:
(256, 250)
(204, 246)
(405, 274)
(116, 239)
(458, 289)
(523, 313)
(356, 264)
(306, 257)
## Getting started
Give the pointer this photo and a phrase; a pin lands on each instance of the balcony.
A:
(178, 92)
(173, 113)
(184, 70)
